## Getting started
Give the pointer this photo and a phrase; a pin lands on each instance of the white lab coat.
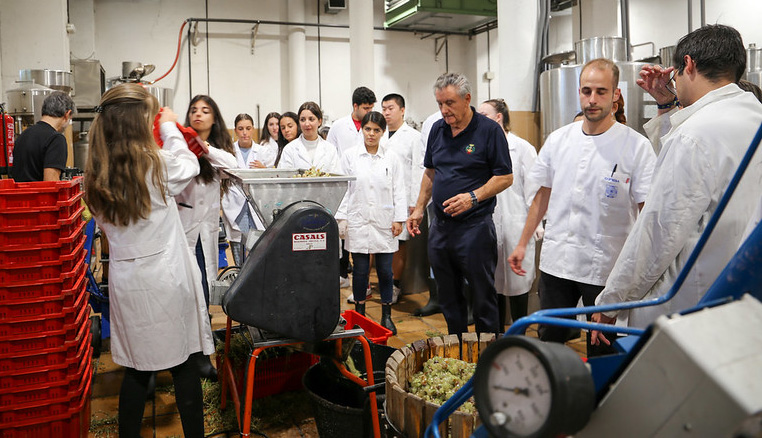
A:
(344, 134)
(509, 217)
(204, 218)
(700, 148)
(158, 314)
(264, 153)
(295, 156)
(234, 200)
(406, 143)
(373, 201)
(592, 206)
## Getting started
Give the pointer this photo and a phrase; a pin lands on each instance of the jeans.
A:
(361, 272)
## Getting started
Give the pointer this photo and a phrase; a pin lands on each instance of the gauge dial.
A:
(527, 388)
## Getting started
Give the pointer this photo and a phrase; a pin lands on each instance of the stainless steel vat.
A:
(666, 54)
(56, 79)
(613, 48)
(164, 95)
(80, 149)
(89, 82)
(755, 77)
(559, 97)
(27, 99)
(753, 58)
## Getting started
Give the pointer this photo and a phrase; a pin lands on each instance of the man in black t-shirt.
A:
(40, 152)
(467, 164)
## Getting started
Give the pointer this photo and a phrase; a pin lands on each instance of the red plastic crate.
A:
(72, 301)
(30, 254)
(46, 391)
(375, 332)
(71, 227)
(26, 195)
(41, 216)
(19, 273)
(40, 359)
(16, 414)
(73, 424)
(45, 340)
(54, 373)
(275, 375)
(43, 287)
(18, 311)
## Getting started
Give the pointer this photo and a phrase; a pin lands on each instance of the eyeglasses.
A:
(671, 83)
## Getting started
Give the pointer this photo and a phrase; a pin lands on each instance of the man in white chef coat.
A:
(345, 134)
(403, 140)
(594, 175)
(701, 141)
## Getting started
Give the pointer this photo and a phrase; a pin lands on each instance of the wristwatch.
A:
(474, 201)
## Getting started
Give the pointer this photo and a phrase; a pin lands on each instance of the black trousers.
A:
(557, 293)
(188, 396)
(460, 251)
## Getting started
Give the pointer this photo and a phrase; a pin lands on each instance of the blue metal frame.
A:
(750, 254)
(98, 301)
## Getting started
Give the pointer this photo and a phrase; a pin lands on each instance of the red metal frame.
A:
(228, 381)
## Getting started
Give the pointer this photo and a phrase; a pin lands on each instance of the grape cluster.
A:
(440, 378)
(311, 173)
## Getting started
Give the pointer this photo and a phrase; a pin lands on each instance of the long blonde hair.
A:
(122, 152)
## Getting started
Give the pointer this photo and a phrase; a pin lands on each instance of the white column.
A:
(297, 66)
(32, 35)
(361, 43)
(516, 36)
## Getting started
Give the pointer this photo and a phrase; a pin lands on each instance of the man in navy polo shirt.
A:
(467, 156)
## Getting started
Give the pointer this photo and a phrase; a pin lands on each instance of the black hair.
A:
(264, 137)
(311, 107)
(398, 99)
(282, 142)
(363, 95)
(219, 137)
(374, 117)
(717, 50)
(751, 87)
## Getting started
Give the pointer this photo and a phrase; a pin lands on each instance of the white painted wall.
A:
(147, 31)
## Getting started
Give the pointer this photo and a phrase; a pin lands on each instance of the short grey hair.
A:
(457, 80)
(56, 104)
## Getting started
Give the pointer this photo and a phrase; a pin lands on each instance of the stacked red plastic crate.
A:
(45, 356)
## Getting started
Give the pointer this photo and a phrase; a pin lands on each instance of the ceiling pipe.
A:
(624, 10)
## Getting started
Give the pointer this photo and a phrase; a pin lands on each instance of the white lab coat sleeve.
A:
(542, 170)
(399, 189)
(346, 169)
(220, 159)
(334, 164)
(287, 157)
(680, 195)
(645, 161)
(416, 172)
(181, 164)
(528, 158)
(657, 128)
(333, 137)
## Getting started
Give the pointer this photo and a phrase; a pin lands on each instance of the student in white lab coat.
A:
(372, 213)
(510, 215)
(405, 141)
(200, 201)
(158, 315)
(234, 200)
(309, 149)
(289, 131)
(704, 127)
(265, 153)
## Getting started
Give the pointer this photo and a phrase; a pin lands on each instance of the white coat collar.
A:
(721, 93)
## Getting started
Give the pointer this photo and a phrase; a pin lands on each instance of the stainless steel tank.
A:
(753, 58)
(559, 97)
(666, 54)
(27, 99)
(81, 148)
(56, 79)
(164, 95)
(755, 77)
(613, 48)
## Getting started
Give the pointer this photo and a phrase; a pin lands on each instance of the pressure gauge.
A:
(524, 387)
